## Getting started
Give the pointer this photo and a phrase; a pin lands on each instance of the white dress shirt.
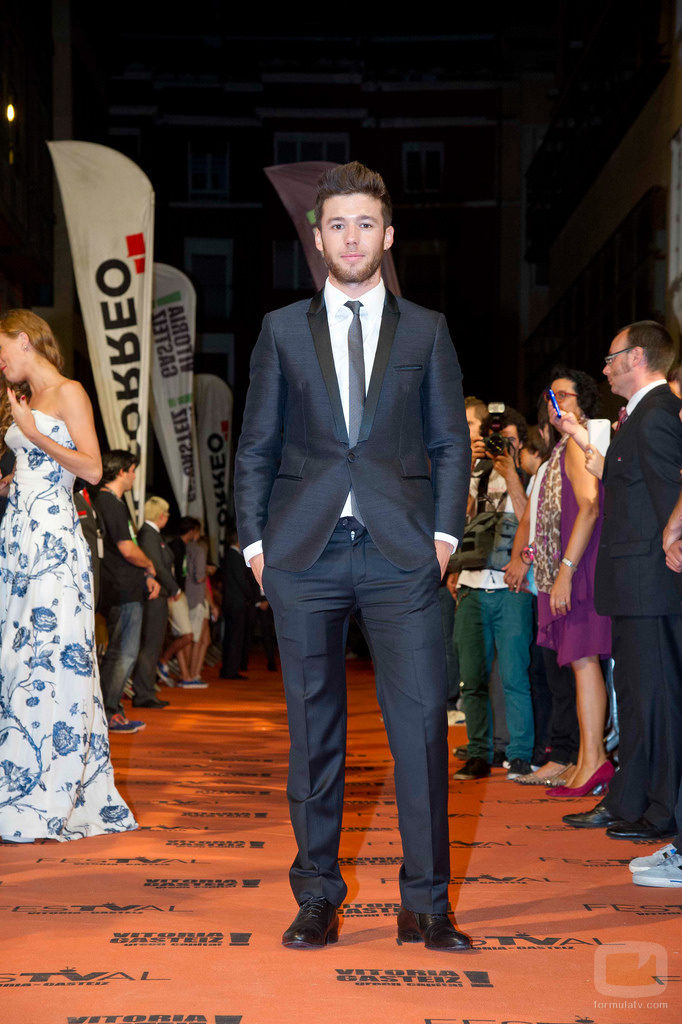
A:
(339, 318)
(639, 395)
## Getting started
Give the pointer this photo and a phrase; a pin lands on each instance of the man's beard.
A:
(353, 273)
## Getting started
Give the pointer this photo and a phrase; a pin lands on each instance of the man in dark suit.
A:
(155, 615)
(641, 594)
(240, 592)
(351, 481)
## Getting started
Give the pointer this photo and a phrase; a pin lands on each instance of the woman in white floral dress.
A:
(56, 779)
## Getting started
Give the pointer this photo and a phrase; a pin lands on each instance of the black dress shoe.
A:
(235, 675)
(475, 768)
(599, 817)
(316, 924)
(436, 931)
(151, 702)
(641, 829)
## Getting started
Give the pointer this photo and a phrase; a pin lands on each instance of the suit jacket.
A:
(156, 549)
(294, 467)
(641, 485)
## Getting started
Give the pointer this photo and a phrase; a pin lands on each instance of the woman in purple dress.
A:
(570, 511)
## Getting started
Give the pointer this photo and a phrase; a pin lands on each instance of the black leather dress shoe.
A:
(152, 702)
(641, 829)
(599, 817)
(436, 931)
(316, 924)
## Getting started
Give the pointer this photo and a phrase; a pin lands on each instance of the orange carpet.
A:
(181, 921)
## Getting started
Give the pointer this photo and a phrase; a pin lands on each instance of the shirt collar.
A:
(153, 525)
(639, 395)
(372, 301)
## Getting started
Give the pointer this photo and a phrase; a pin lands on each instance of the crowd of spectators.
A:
(565, 629)
(161, 598)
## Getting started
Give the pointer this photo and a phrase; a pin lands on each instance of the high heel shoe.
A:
(598, 781)
(538, 778)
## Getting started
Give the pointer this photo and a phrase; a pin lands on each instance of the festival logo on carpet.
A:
(641, 909)
(202, 883)
(50, 909)
(68, 977)
(180, 938)
(228, 844)
(413, 978)
(157, 1018)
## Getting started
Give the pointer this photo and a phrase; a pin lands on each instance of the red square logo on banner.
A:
(135, 244)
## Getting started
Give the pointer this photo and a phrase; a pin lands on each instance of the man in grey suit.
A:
(351, 482)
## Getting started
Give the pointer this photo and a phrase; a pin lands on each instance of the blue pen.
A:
(552, 398)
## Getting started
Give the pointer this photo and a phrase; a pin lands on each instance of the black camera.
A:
(494, 443)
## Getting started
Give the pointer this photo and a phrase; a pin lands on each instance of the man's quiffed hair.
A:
(349, 180)
(509, 418)
(116, 460)
(654, 339)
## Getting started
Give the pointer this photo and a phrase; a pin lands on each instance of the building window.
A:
(289, 267)
(295, 147)
(422, 166)
(208, 171)
(208, 261)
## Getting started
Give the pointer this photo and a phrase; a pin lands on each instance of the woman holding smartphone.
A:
(570, 511)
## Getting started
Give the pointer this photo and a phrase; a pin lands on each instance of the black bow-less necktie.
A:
(356, 383)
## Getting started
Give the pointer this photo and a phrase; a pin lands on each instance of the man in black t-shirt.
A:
(127, 580)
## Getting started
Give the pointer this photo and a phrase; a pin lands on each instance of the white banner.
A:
(109, 207)
(213, 404)
(172, 398)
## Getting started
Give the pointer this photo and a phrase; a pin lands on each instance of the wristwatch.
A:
(568, 562)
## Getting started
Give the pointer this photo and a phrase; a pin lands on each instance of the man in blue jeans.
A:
(490, 618)
(127, 580)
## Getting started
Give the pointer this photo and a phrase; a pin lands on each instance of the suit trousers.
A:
(647, 674)
(400, 614)
(154, 620)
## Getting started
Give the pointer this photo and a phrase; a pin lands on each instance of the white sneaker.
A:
(654, 860)
(665, 876)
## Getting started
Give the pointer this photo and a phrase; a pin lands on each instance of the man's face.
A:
(512, 433)
(352, 239)
(619, 371)
(474, 425)
(128, 477)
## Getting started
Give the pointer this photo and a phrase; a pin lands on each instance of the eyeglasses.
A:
(559, 395)
(612, 355)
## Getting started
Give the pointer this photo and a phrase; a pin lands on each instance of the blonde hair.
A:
(154, 507)
(39, 333)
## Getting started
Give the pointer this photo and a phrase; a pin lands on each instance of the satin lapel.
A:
(319, 328)
(389, 323)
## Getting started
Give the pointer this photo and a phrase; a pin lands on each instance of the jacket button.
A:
(351, 456)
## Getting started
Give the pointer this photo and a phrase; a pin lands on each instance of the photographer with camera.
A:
(490, 617)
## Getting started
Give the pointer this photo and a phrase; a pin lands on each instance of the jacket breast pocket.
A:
(409, 366)
(414, 466)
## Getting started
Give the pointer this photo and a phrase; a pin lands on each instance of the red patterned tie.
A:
(622, 416)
